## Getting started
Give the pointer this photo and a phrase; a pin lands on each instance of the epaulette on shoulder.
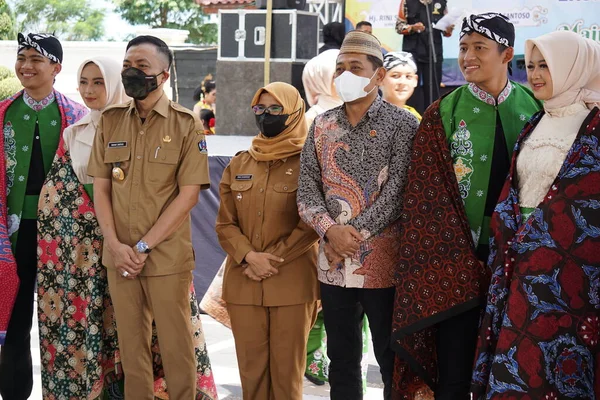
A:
(180, 108)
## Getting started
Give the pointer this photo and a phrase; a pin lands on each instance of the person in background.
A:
(205, 95)
(333, 36)
(208, 121)
(33, 121)
(539, 335)
(365, 26)
(461, 156)
(270, 281)
(149, 162)
(400, 79)
(353, 170)
(413, 19)
(317, 79)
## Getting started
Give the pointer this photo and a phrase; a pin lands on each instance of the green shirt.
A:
(19, 134)
(469, 118)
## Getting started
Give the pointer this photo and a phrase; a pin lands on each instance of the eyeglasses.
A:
(259, 109)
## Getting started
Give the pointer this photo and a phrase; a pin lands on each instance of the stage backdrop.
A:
(531, 17)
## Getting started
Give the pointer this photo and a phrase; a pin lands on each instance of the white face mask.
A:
(351, 87)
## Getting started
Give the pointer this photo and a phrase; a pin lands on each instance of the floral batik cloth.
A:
(78, 333)
(540, 334)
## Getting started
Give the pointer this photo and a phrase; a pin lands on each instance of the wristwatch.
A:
(142, 247)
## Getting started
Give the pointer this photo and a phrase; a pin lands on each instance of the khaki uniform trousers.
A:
(166, 300)
(270, 343)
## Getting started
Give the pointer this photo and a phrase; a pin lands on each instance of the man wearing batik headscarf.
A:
(352, 174)
(33, 121)
(461, 157)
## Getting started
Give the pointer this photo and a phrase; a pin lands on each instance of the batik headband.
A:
(494, 26)
(395, 58)
(45, 44)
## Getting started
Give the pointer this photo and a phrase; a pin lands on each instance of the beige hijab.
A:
(289, 142)
(317, 79)
(574, 64)
(115, 93)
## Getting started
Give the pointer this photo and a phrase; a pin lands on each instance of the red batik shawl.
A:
(438, 275)
(9, 280)
(539, 335)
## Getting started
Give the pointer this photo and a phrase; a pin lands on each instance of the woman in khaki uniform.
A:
(270, 282)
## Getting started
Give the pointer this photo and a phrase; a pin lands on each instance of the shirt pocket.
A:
(242, 197)
(283, 197)
(118, 157)
(162, 166)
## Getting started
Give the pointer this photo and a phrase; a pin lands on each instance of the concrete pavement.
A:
(221, 350)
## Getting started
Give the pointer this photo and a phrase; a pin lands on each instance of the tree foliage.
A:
(67, 19)
(7, 22)
(174, 14)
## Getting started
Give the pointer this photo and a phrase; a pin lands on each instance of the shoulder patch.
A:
(202, 146)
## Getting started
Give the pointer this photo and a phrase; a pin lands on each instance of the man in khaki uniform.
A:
(149, 162)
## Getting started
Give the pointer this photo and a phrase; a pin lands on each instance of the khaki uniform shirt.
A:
(258, 212)
(158, 156)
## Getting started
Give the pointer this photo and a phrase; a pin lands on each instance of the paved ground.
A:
(221, 350)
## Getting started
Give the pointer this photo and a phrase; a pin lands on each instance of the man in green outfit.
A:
(32, 121)
(461, 157)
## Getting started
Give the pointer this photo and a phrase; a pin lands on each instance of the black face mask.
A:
(271, 125)
(137, 84)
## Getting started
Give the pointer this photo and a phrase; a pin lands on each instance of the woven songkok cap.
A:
(361, 43)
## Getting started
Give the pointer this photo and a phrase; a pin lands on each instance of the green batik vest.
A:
(469, 118)
(18, 129)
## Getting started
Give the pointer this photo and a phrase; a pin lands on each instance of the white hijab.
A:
(115, 93)
(317, 79)
(574, 64)
(79, 137)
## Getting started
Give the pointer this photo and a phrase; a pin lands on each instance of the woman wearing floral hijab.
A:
(539, 337)
(78, 336)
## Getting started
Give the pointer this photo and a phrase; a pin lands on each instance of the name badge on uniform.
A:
(243, 177)
(116, 145)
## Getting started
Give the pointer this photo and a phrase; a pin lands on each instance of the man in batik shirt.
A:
(353, 169)
(33, 121)
(461, 158)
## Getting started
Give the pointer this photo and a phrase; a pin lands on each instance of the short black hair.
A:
(501, 48)
(363, 23)
(376, 62)
(161, 46)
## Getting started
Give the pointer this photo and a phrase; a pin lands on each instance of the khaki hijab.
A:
(289, 142)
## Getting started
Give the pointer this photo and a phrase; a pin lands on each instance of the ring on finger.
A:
(125, 274)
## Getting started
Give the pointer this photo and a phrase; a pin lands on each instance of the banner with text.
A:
(532, 18)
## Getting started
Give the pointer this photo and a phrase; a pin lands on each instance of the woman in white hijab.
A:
(78, 336)
(317, 79)
(539, 336)
(99, 86)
